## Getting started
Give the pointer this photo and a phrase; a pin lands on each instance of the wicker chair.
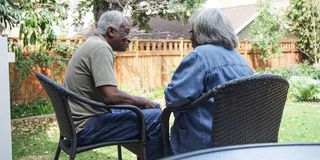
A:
(68, 140)
(247, 110)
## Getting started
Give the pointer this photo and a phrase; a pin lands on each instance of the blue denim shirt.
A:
(204, 68)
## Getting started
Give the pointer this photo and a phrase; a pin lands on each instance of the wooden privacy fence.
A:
(150, 63)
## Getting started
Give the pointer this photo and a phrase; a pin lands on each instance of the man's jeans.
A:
(121, 125)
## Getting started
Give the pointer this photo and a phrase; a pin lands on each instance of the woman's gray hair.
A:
(108, 19)
(210, 26)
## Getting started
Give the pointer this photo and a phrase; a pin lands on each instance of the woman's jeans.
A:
(122, 125)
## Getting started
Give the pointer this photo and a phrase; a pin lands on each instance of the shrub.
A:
(37, 107)
(305, 69)
(304, 89)
(304, 81)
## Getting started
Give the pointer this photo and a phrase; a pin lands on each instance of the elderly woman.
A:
(212, 61)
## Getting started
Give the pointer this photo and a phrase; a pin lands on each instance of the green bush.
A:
(304, 69)
(304, 89)
(37, 107)
(304, 81)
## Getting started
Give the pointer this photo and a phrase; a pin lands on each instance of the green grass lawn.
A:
(41, 145)
(300, 123)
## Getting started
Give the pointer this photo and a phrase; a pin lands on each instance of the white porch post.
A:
(5, 121)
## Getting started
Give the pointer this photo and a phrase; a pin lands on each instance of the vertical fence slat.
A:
(153, 45)
(170, 46)
(147, 45)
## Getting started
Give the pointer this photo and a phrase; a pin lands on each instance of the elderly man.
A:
(212, 61)
(90, 73)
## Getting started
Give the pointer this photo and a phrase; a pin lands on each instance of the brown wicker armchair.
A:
(247, 110)
(68, 140)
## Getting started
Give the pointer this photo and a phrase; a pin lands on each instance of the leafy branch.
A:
(140, 11)
(36, 34)
(304, 22)
(267, 32)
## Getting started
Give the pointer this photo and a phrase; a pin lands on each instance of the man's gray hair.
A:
(210, 26)
(108, 19)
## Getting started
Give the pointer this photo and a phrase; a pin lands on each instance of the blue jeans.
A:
(122, 125)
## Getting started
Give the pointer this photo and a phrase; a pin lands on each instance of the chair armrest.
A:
(166, 117)
(195, 103)
(80, 98)
(166, 121)
(136, 110)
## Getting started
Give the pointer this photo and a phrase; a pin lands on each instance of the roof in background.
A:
(240, 16)
(163, 29)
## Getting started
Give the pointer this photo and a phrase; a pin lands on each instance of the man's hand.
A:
(147, 103)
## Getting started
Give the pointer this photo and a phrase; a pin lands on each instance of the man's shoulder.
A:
(96, 41)
(93, 43)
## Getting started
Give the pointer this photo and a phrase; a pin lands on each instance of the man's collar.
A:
(101, 37)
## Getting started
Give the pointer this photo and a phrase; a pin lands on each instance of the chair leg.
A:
(56, 157)
(165, 131)
(119, 152)
(144, 152)
(72, 156)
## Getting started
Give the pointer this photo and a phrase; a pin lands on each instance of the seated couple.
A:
(90, 73)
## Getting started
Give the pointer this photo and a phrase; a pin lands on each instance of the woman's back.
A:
(207, 66)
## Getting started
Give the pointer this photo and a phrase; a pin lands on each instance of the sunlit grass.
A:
(42, 145)
(300, 123)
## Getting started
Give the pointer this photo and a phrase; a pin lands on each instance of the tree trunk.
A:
(101, 6)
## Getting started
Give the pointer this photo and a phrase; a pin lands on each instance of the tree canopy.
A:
(35, 18)
(304, 21)
(8, 15)
(30, 13)
(140, 10)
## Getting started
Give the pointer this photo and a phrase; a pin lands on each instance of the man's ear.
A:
(110, 32)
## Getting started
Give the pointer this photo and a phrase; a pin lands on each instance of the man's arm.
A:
(112, 95)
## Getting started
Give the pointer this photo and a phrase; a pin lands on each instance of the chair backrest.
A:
(248, 110)
(58, 97)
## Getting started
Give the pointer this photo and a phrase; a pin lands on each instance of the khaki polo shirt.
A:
(91, 66)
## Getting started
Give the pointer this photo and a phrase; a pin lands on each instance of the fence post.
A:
(246, 50)
(136, 47)
(165, 45)
(251, 59)
(5, 127)
(148, 45)
(154, 46)
(181, 47)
